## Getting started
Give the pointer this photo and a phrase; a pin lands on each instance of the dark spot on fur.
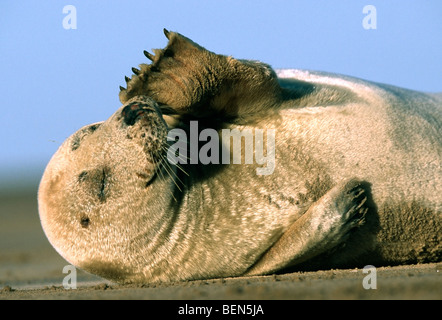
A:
(76, 140)
(94, 127)
(280, 200)
(85, 221)
(75, 143)
(82, 176)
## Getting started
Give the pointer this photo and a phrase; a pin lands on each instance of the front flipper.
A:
(192, 80)
(325, 225)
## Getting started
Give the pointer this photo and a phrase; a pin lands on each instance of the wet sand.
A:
(31, 269)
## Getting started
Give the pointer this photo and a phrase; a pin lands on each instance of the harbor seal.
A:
(356, 177)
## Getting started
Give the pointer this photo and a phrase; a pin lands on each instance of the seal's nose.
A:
(133, 111)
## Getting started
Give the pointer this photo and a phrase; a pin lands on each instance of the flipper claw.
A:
(136, 71)
(149, 55)
(166, 33)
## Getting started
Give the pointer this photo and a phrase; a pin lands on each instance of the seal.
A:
(356, 177)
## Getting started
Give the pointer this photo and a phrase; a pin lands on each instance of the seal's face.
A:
(83, 197)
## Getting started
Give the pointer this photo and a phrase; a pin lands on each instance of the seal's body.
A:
(356, 177)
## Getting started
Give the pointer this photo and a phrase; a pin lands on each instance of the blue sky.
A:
(54, 80)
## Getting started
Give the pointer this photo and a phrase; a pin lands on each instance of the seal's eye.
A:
(96, 182)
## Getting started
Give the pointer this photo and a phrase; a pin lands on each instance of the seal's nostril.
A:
(132, 112)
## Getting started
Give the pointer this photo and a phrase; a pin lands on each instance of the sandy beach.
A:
(31, 269)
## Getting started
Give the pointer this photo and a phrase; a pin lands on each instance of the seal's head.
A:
(101, 188)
